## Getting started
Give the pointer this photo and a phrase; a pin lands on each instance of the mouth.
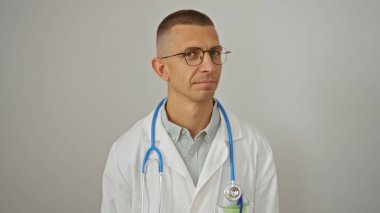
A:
(206, 82)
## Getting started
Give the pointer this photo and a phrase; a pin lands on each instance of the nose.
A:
(207, 64)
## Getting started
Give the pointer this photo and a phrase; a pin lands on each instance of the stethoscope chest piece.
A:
(232, 192)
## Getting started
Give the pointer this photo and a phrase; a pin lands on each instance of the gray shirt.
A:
(193, 150)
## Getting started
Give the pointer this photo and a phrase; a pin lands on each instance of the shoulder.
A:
(136, 131)
(252, 136)
(134, 139)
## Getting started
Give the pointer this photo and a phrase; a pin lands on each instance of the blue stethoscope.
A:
(232, 191)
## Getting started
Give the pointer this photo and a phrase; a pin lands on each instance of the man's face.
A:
(196, 83)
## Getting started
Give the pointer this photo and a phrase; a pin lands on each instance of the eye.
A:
(215, 53)
(189, 53)
(193, 53)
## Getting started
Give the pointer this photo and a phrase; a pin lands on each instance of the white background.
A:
(75, 75)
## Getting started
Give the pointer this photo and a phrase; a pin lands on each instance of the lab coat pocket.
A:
(247, 208)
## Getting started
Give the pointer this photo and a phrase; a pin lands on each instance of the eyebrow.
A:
(188, 47)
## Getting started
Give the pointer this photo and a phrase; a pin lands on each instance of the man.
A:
(191, 135)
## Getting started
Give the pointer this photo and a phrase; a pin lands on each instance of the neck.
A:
(188, 114)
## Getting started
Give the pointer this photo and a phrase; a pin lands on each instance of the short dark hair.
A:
(185, 17)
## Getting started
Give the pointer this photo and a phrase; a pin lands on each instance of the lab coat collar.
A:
(160, 129)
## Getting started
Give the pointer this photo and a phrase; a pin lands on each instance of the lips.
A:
(205, 82)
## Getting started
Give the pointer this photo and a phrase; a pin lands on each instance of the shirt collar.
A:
(174, 130)
(212, 127)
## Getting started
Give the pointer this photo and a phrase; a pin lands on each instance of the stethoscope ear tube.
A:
(152, 148)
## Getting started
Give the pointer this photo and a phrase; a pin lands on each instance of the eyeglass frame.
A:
(203, 54)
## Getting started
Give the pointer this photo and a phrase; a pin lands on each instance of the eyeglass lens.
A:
(194, 56)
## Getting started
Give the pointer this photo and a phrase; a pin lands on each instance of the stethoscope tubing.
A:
(230, 141)
(153, 148)
(152, 141)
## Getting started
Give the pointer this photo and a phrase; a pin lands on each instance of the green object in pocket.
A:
(235, 208)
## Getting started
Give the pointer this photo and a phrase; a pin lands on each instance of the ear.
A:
(160, 69)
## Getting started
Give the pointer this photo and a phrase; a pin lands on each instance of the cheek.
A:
(219, 72)
(181, 74)
(177, 79)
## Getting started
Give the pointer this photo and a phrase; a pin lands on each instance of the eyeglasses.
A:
(194, 55)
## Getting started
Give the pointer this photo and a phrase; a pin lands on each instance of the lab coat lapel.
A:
(216, 157)
(219, 152)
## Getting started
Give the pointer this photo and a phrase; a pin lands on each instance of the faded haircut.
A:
(182, 17)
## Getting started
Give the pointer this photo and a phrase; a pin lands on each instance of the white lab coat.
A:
(255, 172)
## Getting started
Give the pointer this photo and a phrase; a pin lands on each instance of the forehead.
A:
(183, 36)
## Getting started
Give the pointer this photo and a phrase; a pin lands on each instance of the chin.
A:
(204, 96)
